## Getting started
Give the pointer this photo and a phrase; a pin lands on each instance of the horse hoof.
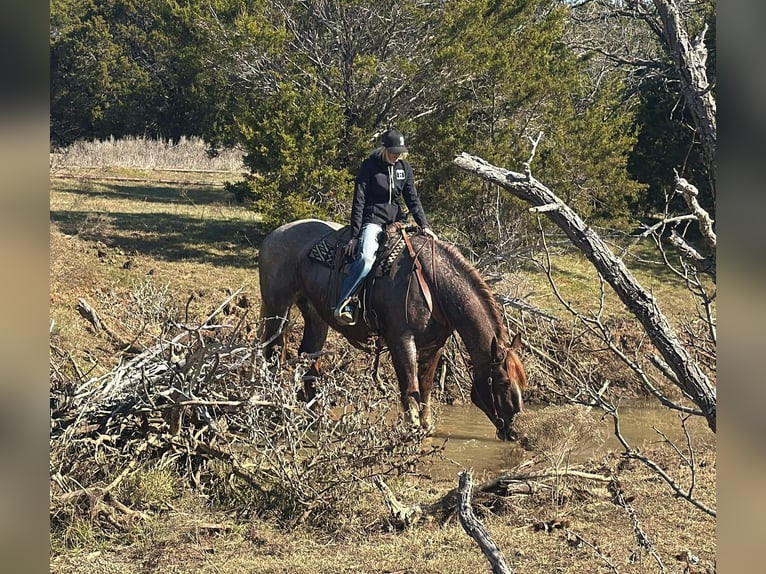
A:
(412, 419)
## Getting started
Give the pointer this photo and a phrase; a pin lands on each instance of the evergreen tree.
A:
(124, 67)
(330, 76)
(511, 76)
(308, 88)
(293, 140)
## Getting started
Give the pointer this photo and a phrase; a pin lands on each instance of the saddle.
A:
(329, 250)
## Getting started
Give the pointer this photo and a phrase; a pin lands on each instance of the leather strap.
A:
(436, 309)
(419, 272)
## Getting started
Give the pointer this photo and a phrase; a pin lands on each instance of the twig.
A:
(657, 469)
(643, 539)
(571, 535)
(528, 163)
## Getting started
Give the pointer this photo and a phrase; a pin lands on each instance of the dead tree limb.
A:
(501, 482)
(690, 194)
(404, 515)
(691, 380)
(689, 58)
(92, 316)
(475, 529)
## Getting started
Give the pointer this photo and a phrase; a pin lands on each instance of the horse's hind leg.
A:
(314, 337)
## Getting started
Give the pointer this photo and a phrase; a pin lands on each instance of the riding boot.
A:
(344, 311)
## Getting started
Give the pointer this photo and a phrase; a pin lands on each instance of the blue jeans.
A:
(369, 240)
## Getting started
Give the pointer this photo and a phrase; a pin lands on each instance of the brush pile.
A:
(203, 408)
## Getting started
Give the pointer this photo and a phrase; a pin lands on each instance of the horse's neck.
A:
(472, 320)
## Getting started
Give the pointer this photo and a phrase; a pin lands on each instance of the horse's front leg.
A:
(404, 359)
(427, 364)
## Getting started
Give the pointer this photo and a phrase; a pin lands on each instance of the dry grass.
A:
(596, 532)
(111, 242)
(189, 154)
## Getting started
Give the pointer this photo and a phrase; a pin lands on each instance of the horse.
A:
(399, 313)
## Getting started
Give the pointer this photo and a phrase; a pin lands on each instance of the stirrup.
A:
(346, 312)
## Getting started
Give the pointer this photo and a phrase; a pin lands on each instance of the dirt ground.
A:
(108, 238)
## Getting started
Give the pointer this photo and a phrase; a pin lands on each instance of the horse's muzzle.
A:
(506, 433)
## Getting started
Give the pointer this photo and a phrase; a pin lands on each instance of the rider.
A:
(383, 178)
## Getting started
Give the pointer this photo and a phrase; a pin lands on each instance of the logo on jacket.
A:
(399, 174)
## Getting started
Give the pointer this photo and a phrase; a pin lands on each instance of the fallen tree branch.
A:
(88, 313)
(475, 529)
(691, 379)
(501, 483)
(643, 539)
(406, 516)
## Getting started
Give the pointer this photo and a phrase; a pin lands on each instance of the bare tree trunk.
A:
(689, 377)
(689, 58)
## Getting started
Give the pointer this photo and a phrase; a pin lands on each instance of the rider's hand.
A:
(427, 231)
(350, 248)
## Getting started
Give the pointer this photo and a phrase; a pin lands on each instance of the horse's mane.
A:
(482, 289)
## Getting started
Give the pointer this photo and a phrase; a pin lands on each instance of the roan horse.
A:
(415, 335)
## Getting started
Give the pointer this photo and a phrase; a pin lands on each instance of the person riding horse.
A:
(383, 177)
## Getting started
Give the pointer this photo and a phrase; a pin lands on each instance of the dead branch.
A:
(574, 539)
(641, 303)
(690, 194)
(405, 516)
(643, 539)
(594, 324)
(97, 322)
(632, 453)
(205, 399)
(501, 484)
(689, 57)
(475, 529)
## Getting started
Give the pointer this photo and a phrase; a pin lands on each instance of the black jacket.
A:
(378, 188)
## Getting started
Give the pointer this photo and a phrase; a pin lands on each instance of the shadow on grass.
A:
(645, 258)
(167, 236)
(178, 193)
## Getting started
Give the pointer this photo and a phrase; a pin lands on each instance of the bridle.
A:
(491, 382)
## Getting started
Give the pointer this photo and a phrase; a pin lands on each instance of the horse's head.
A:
(500, 395)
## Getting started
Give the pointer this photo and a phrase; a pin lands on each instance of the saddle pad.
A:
(324, 249)
(389, 254)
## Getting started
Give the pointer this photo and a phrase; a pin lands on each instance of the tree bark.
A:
(475, 529)
(691, 380)
(689, 58)
(404, 515)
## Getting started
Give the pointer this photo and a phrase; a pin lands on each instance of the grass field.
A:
(116, 242)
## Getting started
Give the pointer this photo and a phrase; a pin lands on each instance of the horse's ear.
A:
(516, 343)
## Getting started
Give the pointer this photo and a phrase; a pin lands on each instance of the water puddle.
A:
(472, 442)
